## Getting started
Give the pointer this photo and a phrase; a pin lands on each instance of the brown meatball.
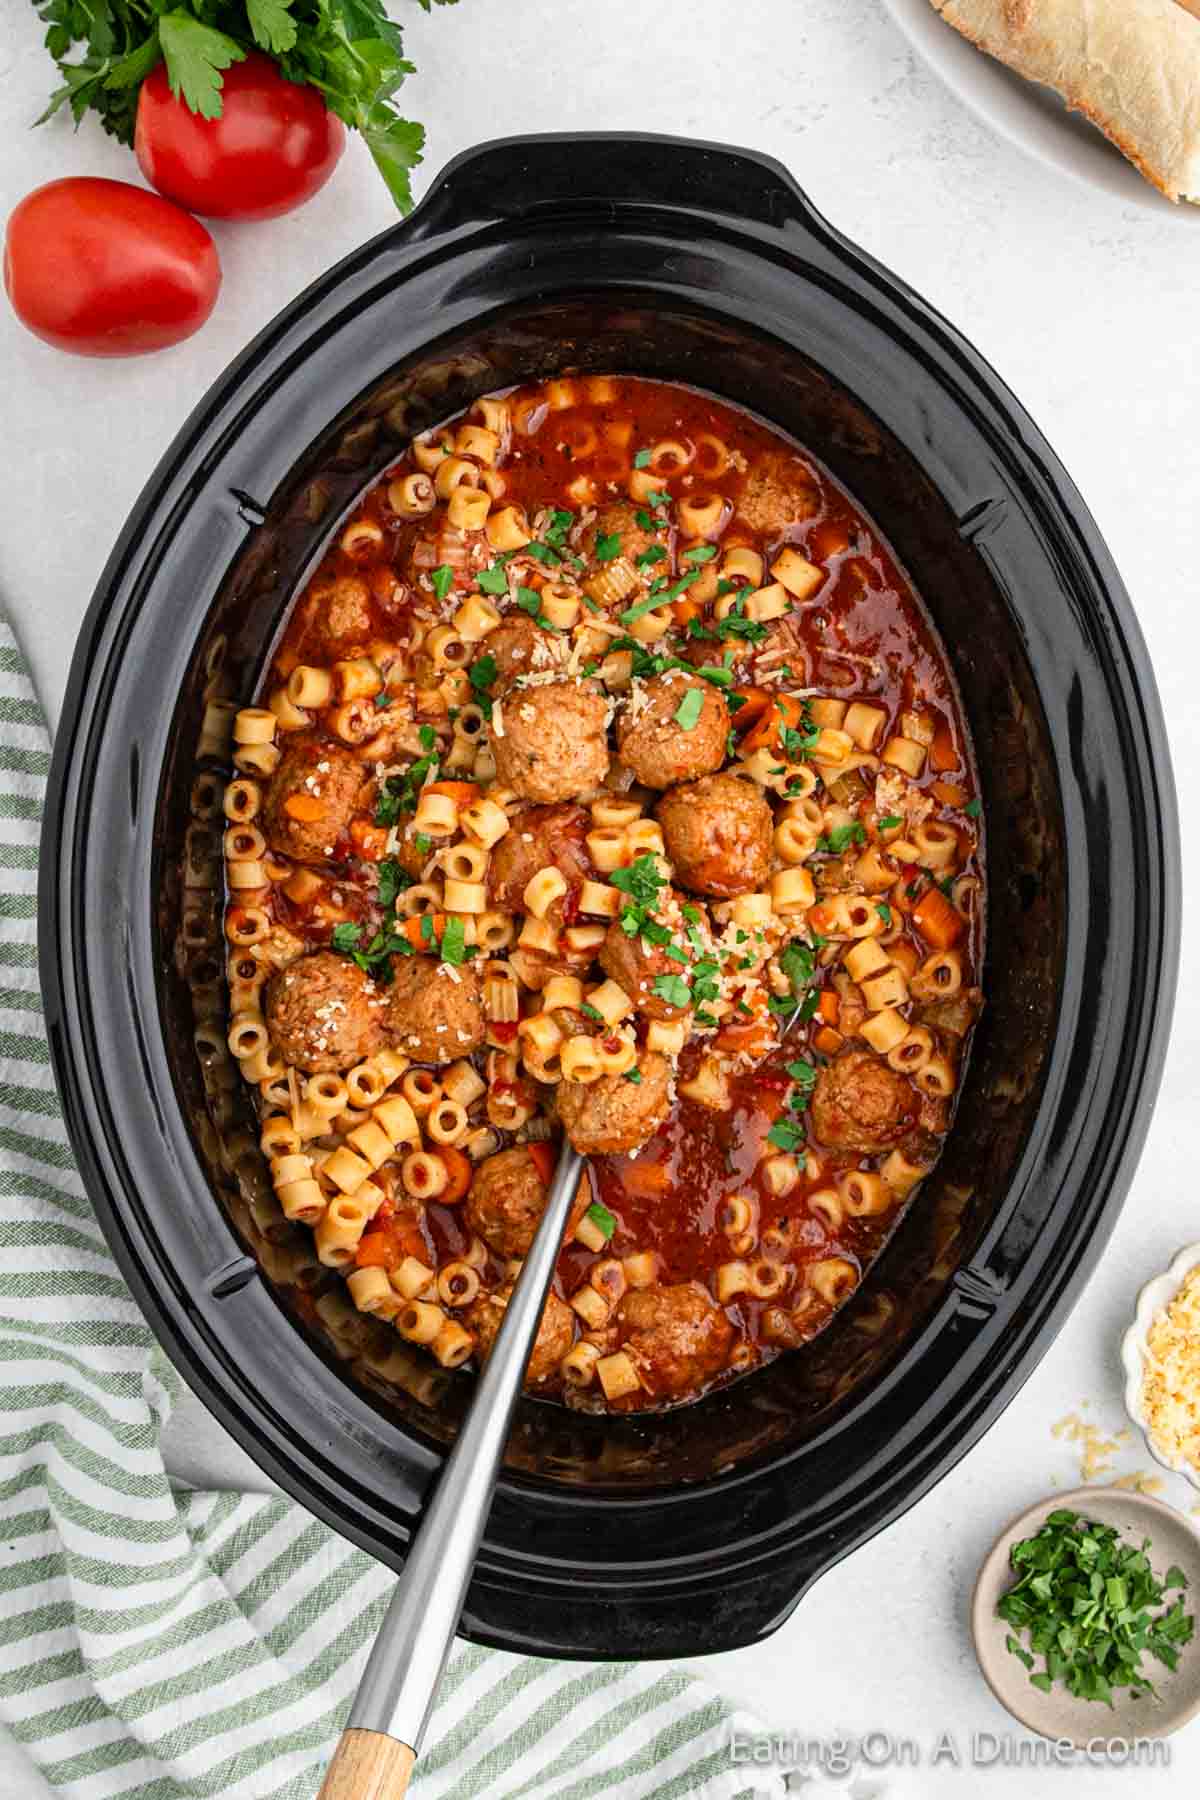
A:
(345, 610)
(653, 745)
(620, 518)
(319, 776)
(554, 744)
(677, 1336)
(518, 647)
(541, 837)
(858, 1103)
(718, 834)
(613, 1113)
(778, 491)
(506, 1201)
(435, 1015)
(556, 1333)
(325, 1013)
(635, 966)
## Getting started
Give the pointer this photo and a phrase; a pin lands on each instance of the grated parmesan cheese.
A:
(1171, 1375)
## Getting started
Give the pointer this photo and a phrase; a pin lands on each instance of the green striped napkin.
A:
(157, 1643)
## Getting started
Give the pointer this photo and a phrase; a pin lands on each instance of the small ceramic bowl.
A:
(1059, 1714)
(1151, 1300)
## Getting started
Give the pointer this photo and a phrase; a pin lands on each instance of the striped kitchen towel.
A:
(157, 1643)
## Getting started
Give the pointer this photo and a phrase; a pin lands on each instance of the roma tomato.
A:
(274, 145)
(106, 269)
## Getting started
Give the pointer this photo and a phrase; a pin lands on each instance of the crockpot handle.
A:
(594, 172)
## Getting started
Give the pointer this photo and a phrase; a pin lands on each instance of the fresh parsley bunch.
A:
(349, 50)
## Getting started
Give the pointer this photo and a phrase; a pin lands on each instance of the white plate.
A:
(1030, 116)
(1153, 1298)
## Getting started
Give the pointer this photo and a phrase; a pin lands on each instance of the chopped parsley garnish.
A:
(592, 605)
(635, 1076)
(687, 713)
(383, 701)
(803, 1074)
(481, 675)
(651, 554)
(642, 459)
(454, 941)
(641, 880)
(1085, 1598)
(399, 794)
(428, 737)
(659, 595)
(661, 498)
(591, 1012)
(392, 881)
(601, 1218)
(783, 1135)
(424, 842)
(345, 937)
(673, 989)
(373, 958)
(973, 809)
(545, 553)
(884, 911)
(841, 837)
(608, 545)
(443, 580)
(891, 823)
(701, 554)
(530, 601)
(733, 625)
(556, 531)
(493, 580)
(798, 744)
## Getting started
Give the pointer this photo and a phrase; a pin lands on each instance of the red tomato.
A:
(106, 269)
(274, 145)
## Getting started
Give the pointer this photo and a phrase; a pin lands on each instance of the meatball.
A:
(311, 797)
(778, 491)
(614, 1113)
(556, 1333)
(506, 1201)
(435, 1014)
(345, 610)
(554, 743)
(519, 647)
(860, 1104)
(718, 834)
(678, 1337)
(325, 1013)
(635, 965)
(620, 520)
(656, 747)
(542, 837)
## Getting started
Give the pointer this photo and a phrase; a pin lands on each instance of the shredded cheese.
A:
(1171, 1375)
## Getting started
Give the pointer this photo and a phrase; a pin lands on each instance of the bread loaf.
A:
(1130, 66)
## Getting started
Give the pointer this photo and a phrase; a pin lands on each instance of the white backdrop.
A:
(1085, 306)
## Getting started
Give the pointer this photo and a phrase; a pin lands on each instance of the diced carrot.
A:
(948, 792)
(305, 807)
(458, 1167)
(753, 1035)
(939, 923)
(828, 1041)
(822, 916)
(386, 1246)
(461, 792)
(755, 702)
(683, 610)
(942, 753)
(647, 1178)
(375, 1250)
(413, 930)
(543, 1159)
(783, 713)
(369, 840)
(829, 1006)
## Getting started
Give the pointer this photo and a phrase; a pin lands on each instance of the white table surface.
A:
(1087, 308)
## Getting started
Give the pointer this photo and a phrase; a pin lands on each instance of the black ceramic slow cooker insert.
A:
(699, 1529)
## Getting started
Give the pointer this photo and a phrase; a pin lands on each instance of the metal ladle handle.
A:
(375, 1755)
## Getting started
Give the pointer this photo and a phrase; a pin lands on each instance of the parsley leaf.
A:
(841, 837)
(443, 580)
(345, 937)
(673, 989)
(687, 713)
(651, 554)
(493, 580)
(701, 554)
(454, 941)
(642, 459)
(891, 823)
(272, 24)
(481, 674)
(530, 601)
(640, 879)
(783, 1135)
(973, 809)
(601, 1218)
(195, 55)
(392, 881)
(884, 911)
(608, 545)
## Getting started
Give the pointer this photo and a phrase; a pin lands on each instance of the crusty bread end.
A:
(1130, 66)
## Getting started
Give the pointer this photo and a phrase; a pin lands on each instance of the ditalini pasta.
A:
(608, 780)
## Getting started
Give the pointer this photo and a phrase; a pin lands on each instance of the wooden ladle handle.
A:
(368, 1765)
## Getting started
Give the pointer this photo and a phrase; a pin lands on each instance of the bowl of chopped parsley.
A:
(1083, 1616)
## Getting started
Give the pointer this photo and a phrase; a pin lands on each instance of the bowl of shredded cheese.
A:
(1161, 1356)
